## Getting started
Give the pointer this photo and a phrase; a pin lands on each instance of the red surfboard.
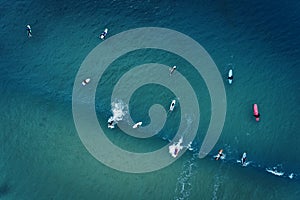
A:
(255, 112)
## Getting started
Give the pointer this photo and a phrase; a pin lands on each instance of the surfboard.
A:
(244, 157)
(172, 105)
(230, 76)
(219, 154)
(102, 35)
(137, 125)
(255, 112)
(86, 81)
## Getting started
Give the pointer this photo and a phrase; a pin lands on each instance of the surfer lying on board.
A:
(28, 29)
(85, 81)
(243, 160)
(172, 69)
(220, 154)
(103, 34)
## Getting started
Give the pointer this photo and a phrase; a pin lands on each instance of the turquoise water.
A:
(41, 154)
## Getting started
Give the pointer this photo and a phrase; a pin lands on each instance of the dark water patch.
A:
(4, 189)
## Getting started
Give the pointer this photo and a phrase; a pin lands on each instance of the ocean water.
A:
(41, 154)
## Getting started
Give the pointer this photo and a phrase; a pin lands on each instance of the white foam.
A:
(119, 110)
(275, 172)
(217, 185)
(176, 146)
(291, 176)
(221, 157)
(245, 164)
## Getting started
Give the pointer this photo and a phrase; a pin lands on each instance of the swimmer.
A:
(103, 34)
(28, 29)
(172, 69)
(220, 154)
(176, 151)
(86, 81)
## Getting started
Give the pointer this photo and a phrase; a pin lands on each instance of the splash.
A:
(274, 171)
(119, 110)
(175, 148)
(245, 164)
(221, 157)
(291, 176)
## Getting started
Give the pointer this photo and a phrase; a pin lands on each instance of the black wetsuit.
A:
(28, 31)
(258, 115)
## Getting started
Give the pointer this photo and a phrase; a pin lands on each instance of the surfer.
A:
(103, 34)
(220, 154)
(111, 123)
(230, 76)
(244, 157)
(86, 81)
(172, 105)
(137, 125)
(172, 69)
(255, 112)
(28, 29)
(175, 148)
(176, 151)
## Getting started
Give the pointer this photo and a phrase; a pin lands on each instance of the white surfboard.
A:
(172, 105)
(244, 157)
(230, 76)
(137, 125)
(172, 69)
(86, 81)
(102, 36)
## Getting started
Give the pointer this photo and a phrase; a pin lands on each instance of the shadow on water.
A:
(4, 189)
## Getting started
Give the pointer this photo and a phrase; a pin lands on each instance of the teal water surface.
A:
(41, 154)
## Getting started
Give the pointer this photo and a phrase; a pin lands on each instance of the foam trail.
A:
(119, 110)
(218, 181)
(183, 186)
(217, 184)
(274, 171)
